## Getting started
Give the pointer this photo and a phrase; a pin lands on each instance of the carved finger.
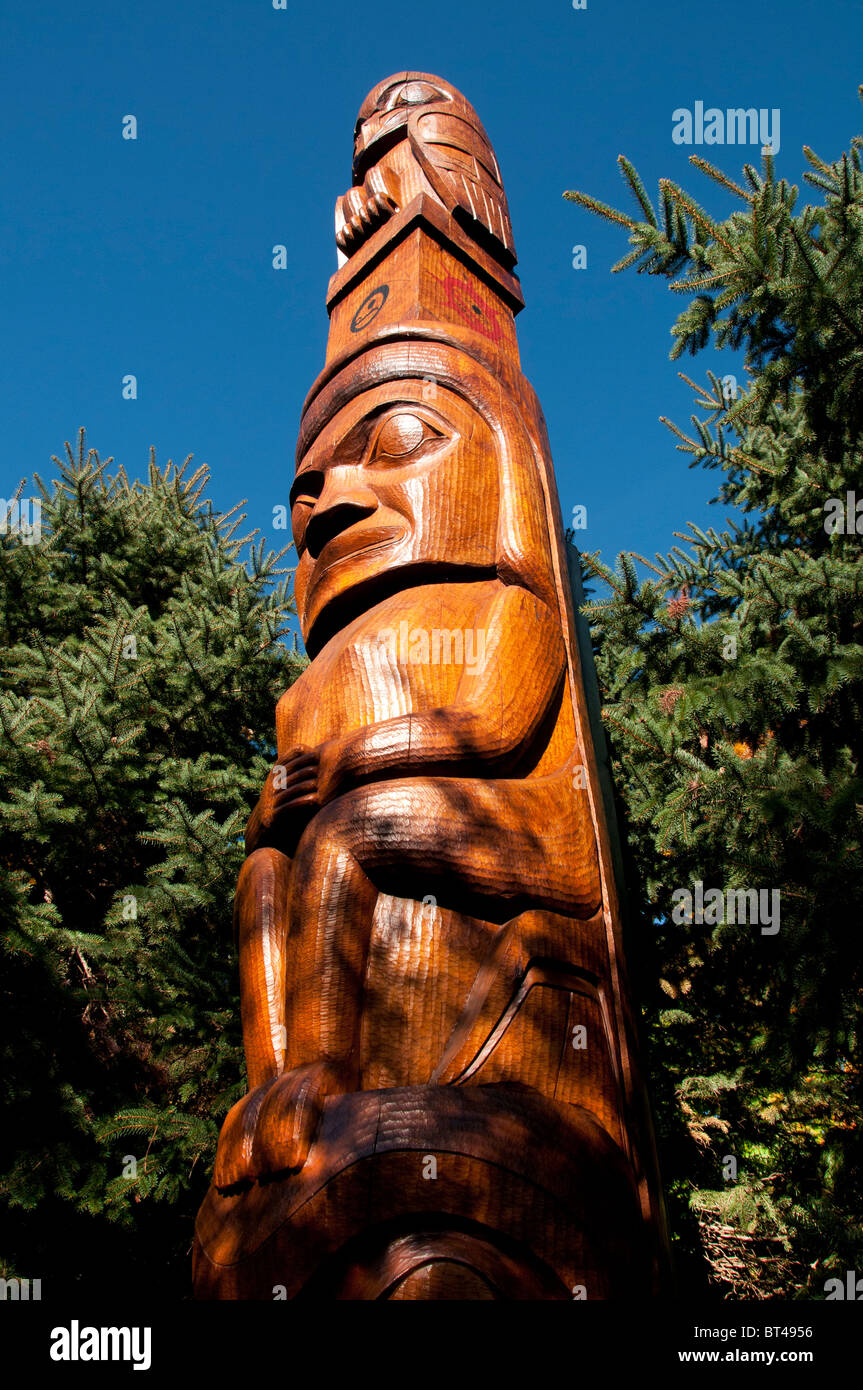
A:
(301, 799)
(294, 778)
(301, 751)
(301, 781)
(287, 781)
(298, 764)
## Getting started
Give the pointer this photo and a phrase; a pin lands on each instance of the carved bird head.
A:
(383, 116)
(416, 133)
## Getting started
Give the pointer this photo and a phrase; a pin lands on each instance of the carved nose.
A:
(337, 508)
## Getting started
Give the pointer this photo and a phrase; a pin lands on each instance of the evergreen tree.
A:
(732, 676)
(141, 663)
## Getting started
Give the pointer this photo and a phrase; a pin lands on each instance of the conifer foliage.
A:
(141, 662)
(732, 675)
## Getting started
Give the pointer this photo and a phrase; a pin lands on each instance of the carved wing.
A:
(460, 164)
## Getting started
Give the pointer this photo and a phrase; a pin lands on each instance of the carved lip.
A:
(356, 540)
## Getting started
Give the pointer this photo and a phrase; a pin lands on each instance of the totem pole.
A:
(443, 1097)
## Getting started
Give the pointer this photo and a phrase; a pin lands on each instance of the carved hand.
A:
(299, 784)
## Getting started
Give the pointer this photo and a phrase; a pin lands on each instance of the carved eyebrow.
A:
(351, 446)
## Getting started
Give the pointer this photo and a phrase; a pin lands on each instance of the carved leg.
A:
(515, 842)
(315, 923)
(331, 910)
(303, 932)
(260, 925)
(511, 842)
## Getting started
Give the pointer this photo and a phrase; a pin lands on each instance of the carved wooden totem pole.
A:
(443, 1101)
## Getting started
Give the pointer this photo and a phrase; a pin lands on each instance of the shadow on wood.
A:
(431, 969)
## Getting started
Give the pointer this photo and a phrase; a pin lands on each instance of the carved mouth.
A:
(354, 542)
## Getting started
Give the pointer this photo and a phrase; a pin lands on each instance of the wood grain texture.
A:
(532, 1196)
(416, 133)
(444, 1100)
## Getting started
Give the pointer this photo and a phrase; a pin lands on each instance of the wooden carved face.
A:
(398, 486)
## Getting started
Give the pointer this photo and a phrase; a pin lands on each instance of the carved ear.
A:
(523, 539)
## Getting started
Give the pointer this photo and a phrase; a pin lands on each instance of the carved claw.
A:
(362, 216)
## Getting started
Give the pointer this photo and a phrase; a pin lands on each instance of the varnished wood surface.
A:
(417, 134)
(428, 926)
(363, 1215)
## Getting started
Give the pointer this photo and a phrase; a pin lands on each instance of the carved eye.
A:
(413, 94)
(401, 436)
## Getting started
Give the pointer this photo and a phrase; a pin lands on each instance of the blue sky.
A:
(154, 257)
